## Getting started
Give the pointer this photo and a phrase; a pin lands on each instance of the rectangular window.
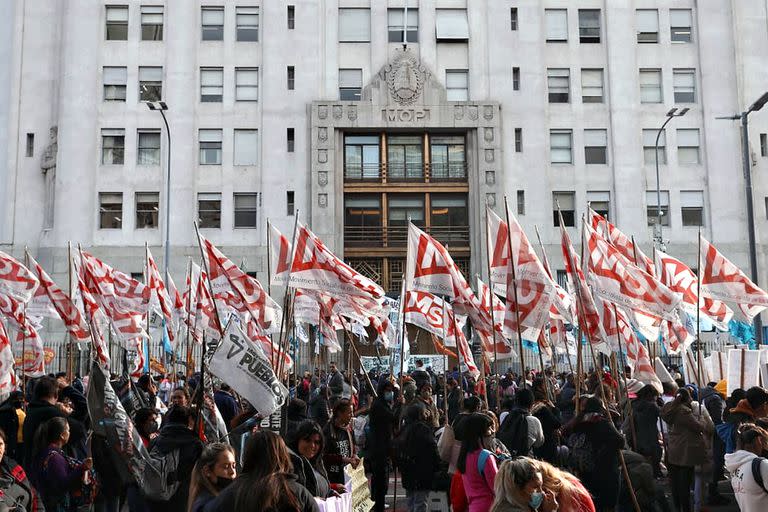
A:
(448, 157)
(350, 84)
(290, 73)
(556, 25)
(592, 85)
(148, 147)
(589, 25)
(401, 208)
(246, 147)
(291, 17)
(513, 18)
(649, 147)
(647, 21)
(681, 25)
(30, 148)
(362, 218)
(112, 146)
(405, 158)
(688, 146)
(650, 86)
(397, 25)
(518, 140)
(362, 157)
(290, 137)
(457, 84)
(117, 23)
(684, 81)
(110, 210)
(210, 147)
(515, 78)
(449, 218)
(246, 205)
(209, 210)
(246, 84)
(151, 22)
(150, 83)
(692, 207)
(560, 142)
(763, 144)
(247, 23)
(290, 204)
(595, 146)
(521, 202)
(652, 207)
(213, 23)
(147, 210)
(211, 85)
(451, 25)
(600, 202)
(566, 202)
(114, 79)
(558, 85)
(354, 25)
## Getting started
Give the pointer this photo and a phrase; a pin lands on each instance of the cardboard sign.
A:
(743, 369)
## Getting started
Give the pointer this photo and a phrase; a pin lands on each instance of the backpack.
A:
(582, 455)
(756, 474)
(513, 432)
(727, 432)
(162, 483)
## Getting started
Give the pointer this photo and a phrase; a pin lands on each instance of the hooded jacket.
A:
(174, 436)
(686, 434)
(311, 477)
(749, 495)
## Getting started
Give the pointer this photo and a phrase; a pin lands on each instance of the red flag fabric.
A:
(206, 320)
(271, 349)
(7, 373)
(315, 267)
(159, 296)
(280, 256)
(75, 323)
(618, 280)
(681, 279)
(722, 280)
(16, 280)
(621, 242)
(503, 347)
(32, 342)
(498, 249)
(90, 309)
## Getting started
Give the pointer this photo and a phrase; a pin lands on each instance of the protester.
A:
(749, 471)
(714, 401)
(417, 456)
(58, 478)
(145, 420)
(12, 418)
(644, 433)
(454, 399)
(754, 405)
(476, 464)
(519, 488)
(296, 414)
(520, 431)
(16, 491)
(686, 446)
(213, 472)
(177, 435)
(180, 397)
(420, 375)
(226, 403)
(570, 494)
(319, 409)
(42, 408)
(266, 481)
(306, 450)
(382, 425)
(335, 382)
(424, 397)
(339, 443)
(549, 419)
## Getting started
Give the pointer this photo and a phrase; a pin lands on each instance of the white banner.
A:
(743, 369)
(243, 365)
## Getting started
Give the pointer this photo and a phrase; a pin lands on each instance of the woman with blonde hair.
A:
(571, 495)
(213, 472)
(518, 488)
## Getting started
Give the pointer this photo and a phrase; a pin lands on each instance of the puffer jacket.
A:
(749, 495)
(686, 434)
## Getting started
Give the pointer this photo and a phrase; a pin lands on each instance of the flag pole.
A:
(288, 296)
(189, 313)
(698, 315)
(514, 288)
(24, 336)
(624, 378)
(70, 341)
(493, 302)
(210, 286)
(445, 384)
(359, 360)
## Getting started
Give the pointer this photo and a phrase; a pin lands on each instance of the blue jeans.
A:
(417, 500)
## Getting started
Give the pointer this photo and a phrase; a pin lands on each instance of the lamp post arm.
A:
(658, 182)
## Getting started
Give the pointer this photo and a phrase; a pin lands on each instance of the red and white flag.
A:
(498, 250)
(637, 355)
(7, 373)
(89, 308)
(271, 349)
(427, 312)
(159, 297)
(616, 279)
(206, 319)
(13, 310)
(675, 336)
(225, 276)
(63, 306)
(620, 241)
(681, 279)
(280, 255)
(15, 279)
(722, 280)
(315, 267)
(34, 366)
(588, 317)
(496, 339)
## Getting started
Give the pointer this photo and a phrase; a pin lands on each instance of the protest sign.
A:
(361, 495)
(743, 369)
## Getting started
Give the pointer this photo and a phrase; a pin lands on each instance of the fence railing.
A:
(397, 236)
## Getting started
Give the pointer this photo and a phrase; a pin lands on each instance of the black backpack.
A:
(513, 432)
(756, 474)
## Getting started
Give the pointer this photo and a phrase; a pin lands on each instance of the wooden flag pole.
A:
(624, 379)
(70, 340)
(24, 339)
(357, 354)
(492, 307)
(288, 299)
(698, 319)
(514, 288)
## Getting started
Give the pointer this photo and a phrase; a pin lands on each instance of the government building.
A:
(357, 115)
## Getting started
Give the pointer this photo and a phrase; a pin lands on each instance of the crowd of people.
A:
(508, 444)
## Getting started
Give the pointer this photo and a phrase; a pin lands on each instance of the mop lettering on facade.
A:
(404, 115)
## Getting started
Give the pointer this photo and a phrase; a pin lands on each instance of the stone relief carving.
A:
(472, 112)
(489, 156)
(322, 111)
(322, 156)
(490, 199)
(488, 134)
(352, 112)
(490, 177)
(322, 200)
(488, 112)
(337, 111)
(458, 112)
(48, 167)
(322, 133)
(322, 178)
(405, 78)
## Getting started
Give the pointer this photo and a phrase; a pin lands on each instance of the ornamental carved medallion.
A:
(405, 78)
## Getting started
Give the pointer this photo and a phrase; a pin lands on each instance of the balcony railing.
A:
(409, 173)
(397, 236)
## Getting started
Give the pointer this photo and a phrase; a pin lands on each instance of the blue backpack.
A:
(727, 432)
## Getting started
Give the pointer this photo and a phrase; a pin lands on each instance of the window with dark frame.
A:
(567, 204)
(684, 82)
(247, 24)
(692, 207)
(362, 157)
(649, 146)
(600, 202)
(148, 152)
(209, 210)
(290, 203)
(592, 85)
(396, 24)
(117, 23)
(559, 85)
(210, 146)
(518, 140)
(521, 202)
(350, 84)
(212, 25)
(291, 15)
(246, 208)
(515, 78)
(30, 146)
(647, 25)
(112, 146)
(110, 210)
(290, 137)
(291, 77)
(151, 22)
(513, 18)
(114, 78)
(246, 84)
(763, 144)
(556, 25)
(211, 85)
(448, 157)
(595, 146)
(147, 210)
(150, 83)
(681, 25)
(589, 25)
(652, 207)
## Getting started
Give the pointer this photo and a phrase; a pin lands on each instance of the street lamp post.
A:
(161, 107)
(744, 118)
(673, 113)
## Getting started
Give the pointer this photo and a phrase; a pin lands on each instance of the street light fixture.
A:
(746, 160)
(161, 107)
(671, 114)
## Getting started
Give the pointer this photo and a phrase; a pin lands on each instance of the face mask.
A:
(389, 396)
(537, 498)
(222, 483)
